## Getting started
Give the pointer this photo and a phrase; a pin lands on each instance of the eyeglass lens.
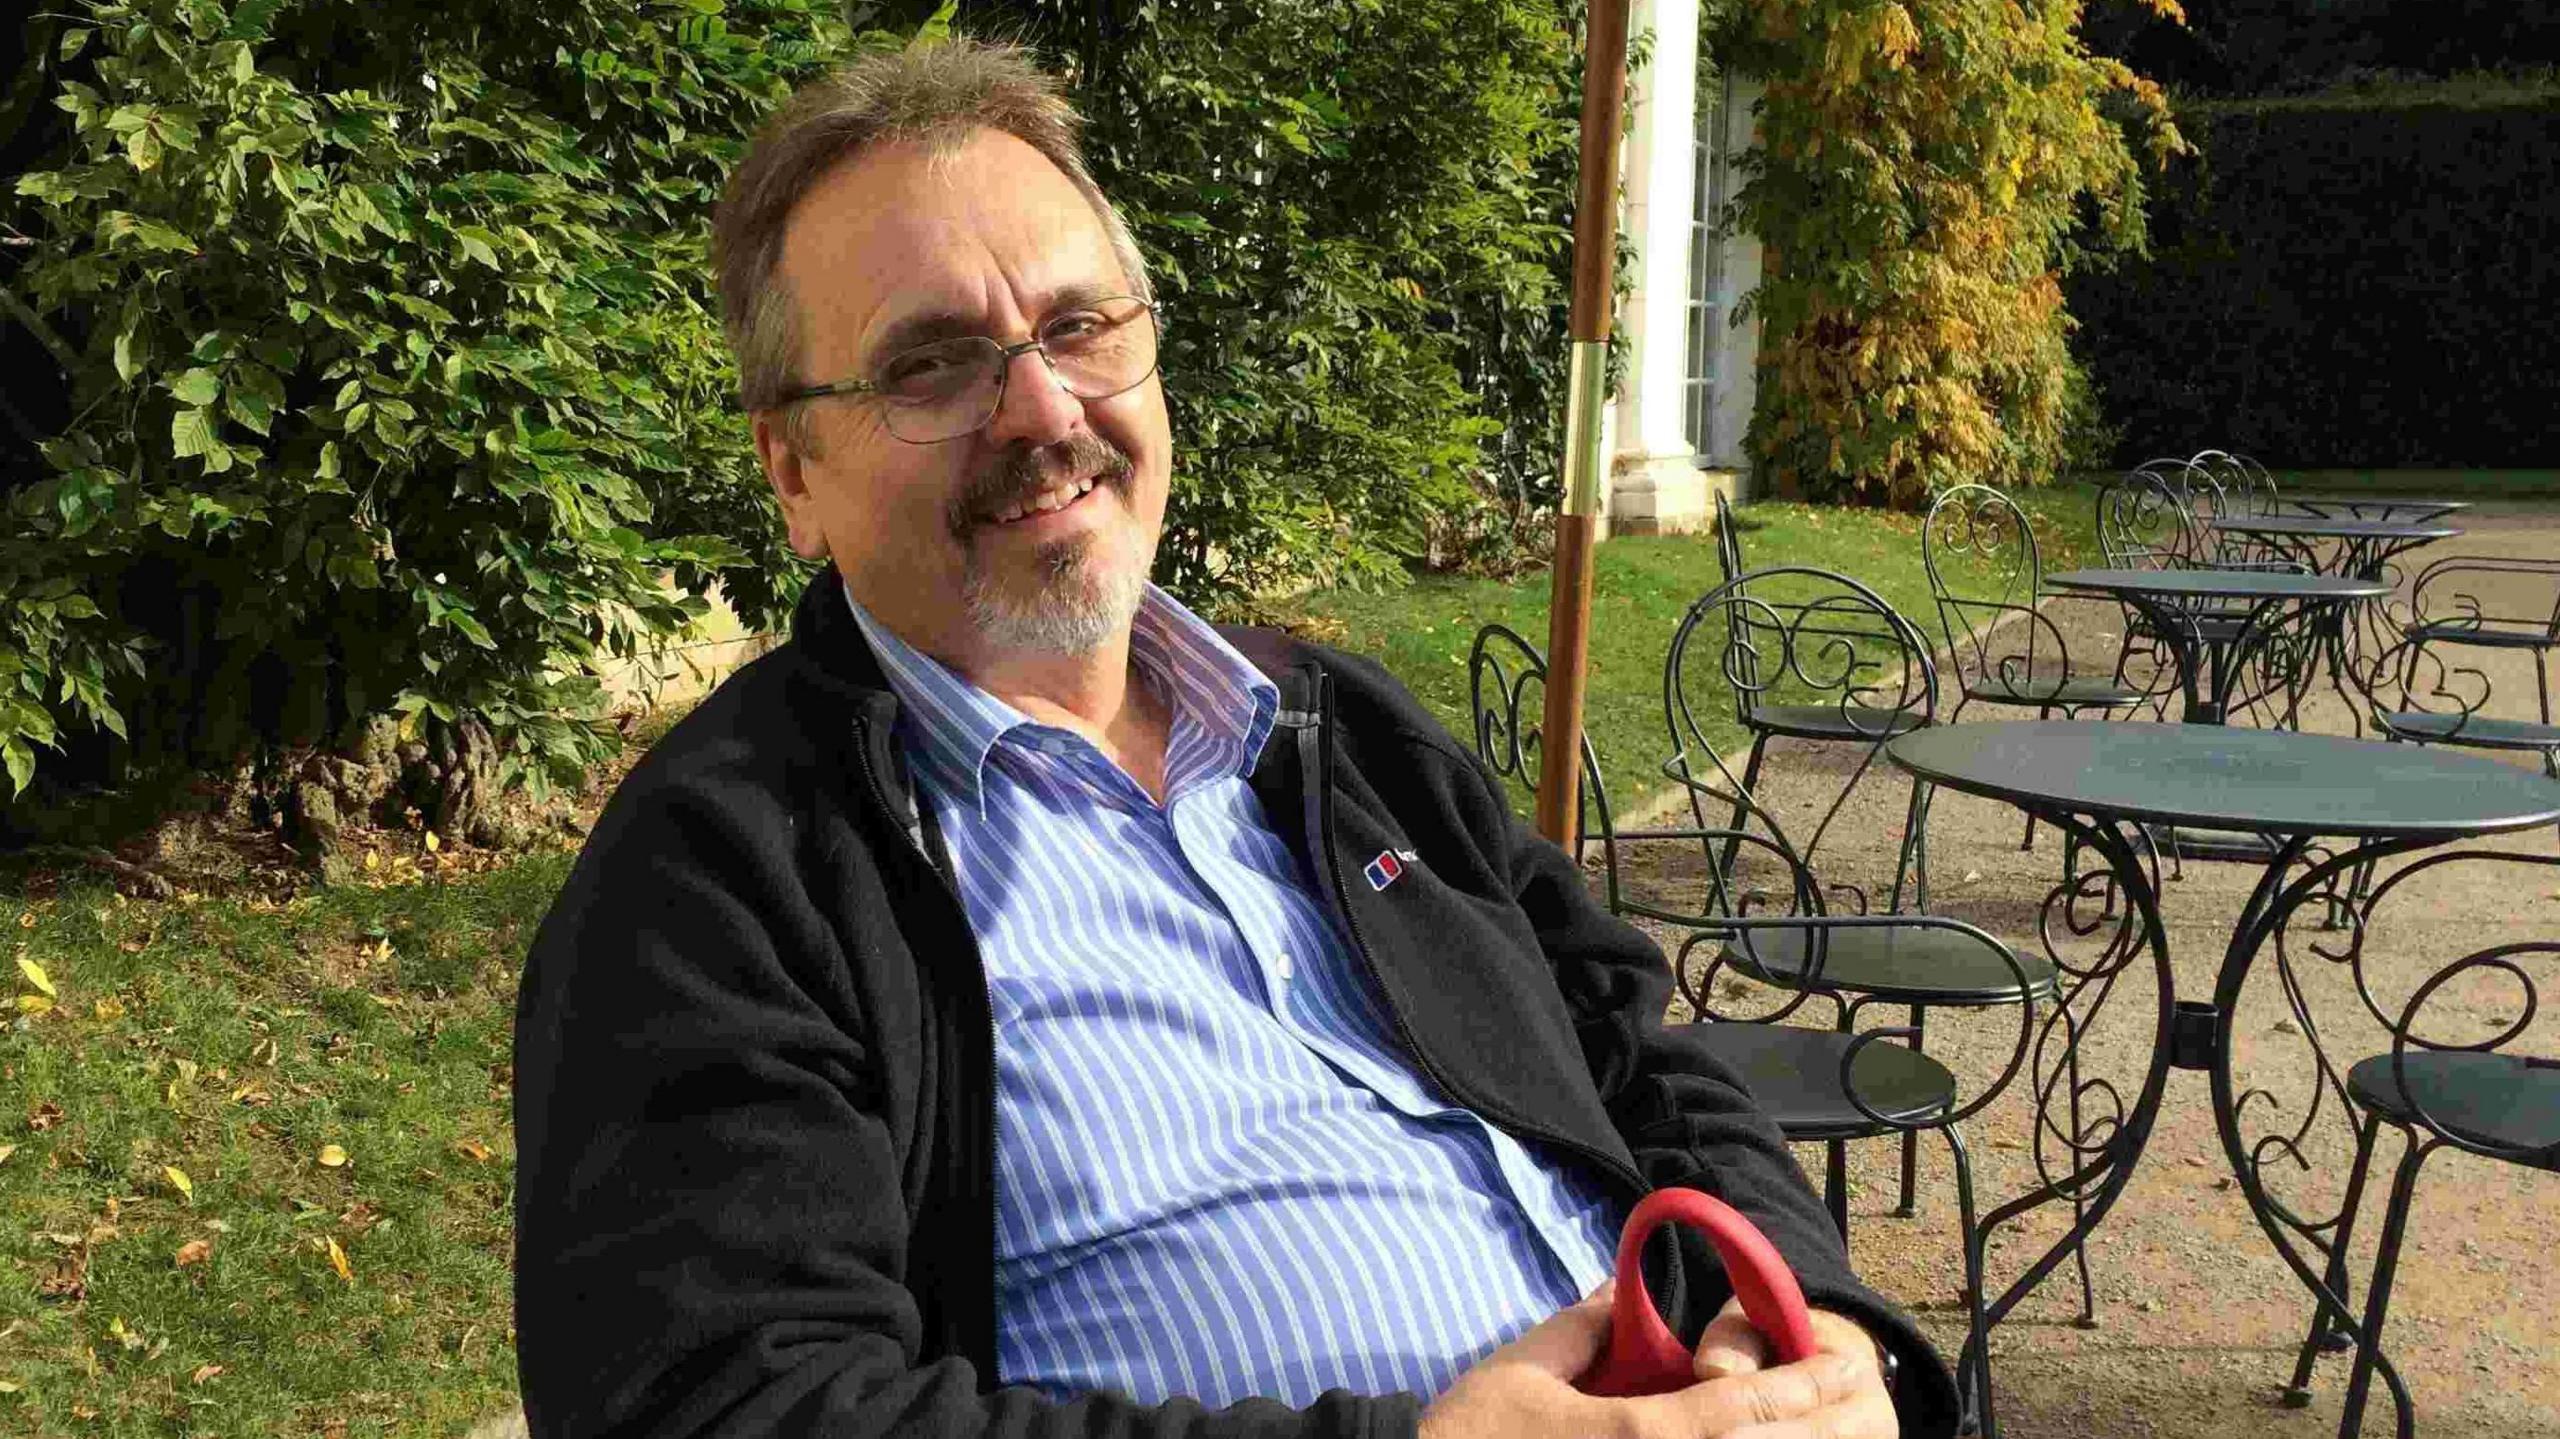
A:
(948, 388)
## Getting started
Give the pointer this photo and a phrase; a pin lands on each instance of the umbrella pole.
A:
(1595, 255)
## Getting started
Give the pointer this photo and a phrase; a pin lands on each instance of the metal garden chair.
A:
(2453, 1078)
(1769, 712)
(1759, 911)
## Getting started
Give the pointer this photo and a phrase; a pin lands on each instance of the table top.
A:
(2260, 781)
(2219, 584)
(2433, 505)
(2329, 527)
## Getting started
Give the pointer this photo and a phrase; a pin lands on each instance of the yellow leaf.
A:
(331, 1156)
(194, 1251)
(373, 859)
(338, 1262)
(33, 1004)
(26, 919)
(470, 1149)
(433, 844)
(179, 1178)
(5, 1151)
(36, 976)
(108, 1009)
(205, 1372)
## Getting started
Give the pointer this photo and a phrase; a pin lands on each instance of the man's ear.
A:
(785, 468)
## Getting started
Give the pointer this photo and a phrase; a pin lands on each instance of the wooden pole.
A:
(1595, 256)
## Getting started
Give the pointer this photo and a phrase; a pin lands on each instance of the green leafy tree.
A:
(395, 382)
(1926, 171)
(1357, 214)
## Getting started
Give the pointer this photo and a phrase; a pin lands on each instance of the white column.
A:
(1737, 346)
(1654, 485)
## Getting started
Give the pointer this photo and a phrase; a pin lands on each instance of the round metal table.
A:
(2101, 783)
(2419, 508)
(2211, 647)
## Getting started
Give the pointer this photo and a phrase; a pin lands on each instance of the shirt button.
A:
(1285, 966)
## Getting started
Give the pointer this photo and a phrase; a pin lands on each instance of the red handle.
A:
(1644, 1356)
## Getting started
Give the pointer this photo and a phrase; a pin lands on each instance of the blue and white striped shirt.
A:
(1218, 1175)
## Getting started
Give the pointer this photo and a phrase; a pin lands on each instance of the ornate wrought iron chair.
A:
(1759, 912)
(2420, 691)
(2521, 615)
(1769, 712)
(1987, 581)
(2454, 1077)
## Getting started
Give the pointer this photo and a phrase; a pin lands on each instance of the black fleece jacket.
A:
(755, 1096)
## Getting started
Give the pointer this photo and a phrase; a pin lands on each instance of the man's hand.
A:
(1731, 1348)
(1525, 1389)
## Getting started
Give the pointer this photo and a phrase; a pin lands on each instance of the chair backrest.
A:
(2251, 490)
(1506, 707)
(2144, 522)
(1797, 650)
(1984, 576)
(2485, 1001)
(2513, 595)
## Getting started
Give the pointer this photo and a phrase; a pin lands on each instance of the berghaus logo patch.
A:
(1388, 867)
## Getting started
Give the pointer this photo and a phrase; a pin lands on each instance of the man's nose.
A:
(1035, 408)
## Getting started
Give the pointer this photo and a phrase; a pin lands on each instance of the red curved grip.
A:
(1644, 1356)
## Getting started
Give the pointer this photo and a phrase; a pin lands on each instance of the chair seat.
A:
(1849, 722)
(2501, 1101)
(2462, 632)
(1917, 965)
(2088, 692)
(2478, 732)
(1794, 1074)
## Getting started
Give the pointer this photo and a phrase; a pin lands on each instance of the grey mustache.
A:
(1022, 474)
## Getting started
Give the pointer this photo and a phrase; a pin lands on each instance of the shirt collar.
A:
(952, 726)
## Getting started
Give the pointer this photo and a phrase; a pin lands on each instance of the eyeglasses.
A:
(950, 388)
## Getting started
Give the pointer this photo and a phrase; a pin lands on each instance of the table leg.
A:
(2087, 1138)
(2256, 1137)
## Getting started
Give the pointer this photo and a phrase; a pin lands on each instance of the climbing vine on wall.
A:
(1927, 170)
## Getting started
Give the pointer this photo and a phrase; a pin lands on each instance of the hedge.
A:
(2339, 282)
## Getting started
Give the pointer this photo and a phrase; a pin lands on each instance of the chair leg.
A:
(1741, 809)
(2377, 1306)
(1835, 1186)
(1907, 1204)
(2327, 1329)
(1973, 1368)
(1913, 863)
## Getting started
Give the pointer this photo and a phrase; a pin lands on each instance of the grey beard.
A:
(1076, 608)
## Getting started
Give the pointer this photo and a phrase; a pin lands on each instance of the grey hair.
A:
(935, 94)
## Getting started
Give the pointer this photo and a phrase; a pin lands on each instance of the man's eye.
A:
(1076, 326)
(922, 367)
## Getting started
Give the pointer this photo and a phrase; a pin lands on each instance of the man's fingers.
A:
(1731, 1347)
(1871, 1418)
(1771, 1396)
(1569, 1341)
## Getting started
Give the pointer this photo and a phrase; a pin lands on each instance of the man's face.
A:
(898, 248)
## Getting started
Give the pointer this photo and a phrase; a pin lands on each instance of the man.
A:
(1016, 1007)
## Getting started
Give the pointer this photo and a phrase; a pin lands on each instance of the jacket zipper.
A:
(1321, 787)
(987, 997)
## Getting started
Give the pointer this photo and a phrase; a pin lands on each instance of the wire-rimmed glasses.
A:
(949, 388)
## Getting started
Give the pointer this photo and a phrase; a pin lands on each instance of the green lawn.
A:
(235, 1043)
(335, 1070)
(1642, 586)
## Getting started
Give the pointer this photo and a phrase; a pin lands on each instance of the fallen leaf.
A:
(5, 1151)
(108, 1009)
(338, 1262)
(33, 1004)
(35, 975)
(44, 1116)
(470, 1149)
(194, 1251)
(331, 1156)
(433, 844)
(8, 1386)
(26, 919)
(205, 1372)
(372, 859)
(179, 1178)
